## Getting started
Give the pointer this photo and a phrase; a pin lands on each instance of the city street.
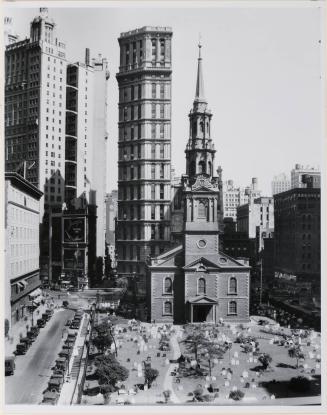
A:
(33, 369)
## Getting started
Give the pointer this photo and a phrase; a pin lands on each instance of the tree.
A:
(109, 372)
(212, 351)
(104, 338)
(295, 352)
(6, 327)
(194, 340)
(265, 359)
(150, 376)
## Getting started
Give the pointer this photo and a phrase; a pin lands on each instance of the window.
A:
(161, 232)
(153, 192)
(162, 214)
(162, 111)
(201, 286)
(168, 285)
(139, 95)
(132, 92)
(154, 92)
(153, 232)
(162, 192)
(162, 151)
(153, 49)
(162, 131)
(153, 111)
(153, 131)
(162, 91)
(139, 112)
(232, 307)
(153, 151)
(139, 131)
(153, 212)
(168, 308)
(132, 132)
(153, 171)
(201, 210)
(232, 286)
(162, 169)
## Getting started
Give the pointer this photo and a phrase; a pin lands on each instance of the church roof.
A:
(168, 259)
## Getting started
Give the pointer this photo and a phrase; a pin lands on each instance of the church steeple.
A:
(199, 92)
(200, 150)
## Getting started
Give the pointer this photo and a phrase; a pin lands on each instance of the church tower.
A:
(201, 191)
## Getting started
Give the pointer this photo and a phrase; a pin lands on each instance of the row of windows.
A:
(168, 308)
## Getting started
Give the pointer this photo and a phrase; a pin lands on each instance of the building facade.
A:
(196, 282)
(111, 217)
(144, 81)
(22, 279)
(257, 213)
(56, 127)
(297, 235)
(299, 174)
(236, 196)
(280, 183)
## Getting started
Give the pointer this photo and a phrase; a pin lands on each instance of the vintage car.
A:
(9, 365)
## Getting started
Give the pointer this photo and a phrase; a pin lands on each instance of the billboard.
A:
(74, 230)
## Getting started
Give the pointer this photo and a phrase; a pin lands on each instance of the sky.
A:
(262, 70)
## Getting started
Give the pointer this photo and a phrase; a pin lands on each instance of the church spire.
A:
(199, 92)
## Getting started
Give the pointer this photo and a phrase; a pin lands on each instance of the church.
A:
(195, 281)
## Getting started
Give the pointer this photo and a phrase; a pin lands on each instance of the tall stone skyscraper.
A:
(144, 179)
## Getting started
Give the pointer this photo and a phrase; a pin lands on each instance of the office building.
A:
(299, 174)
(297, 235)
(234, 196)
(258, 212)
(144, 177)
(22, 250)
(280, 183)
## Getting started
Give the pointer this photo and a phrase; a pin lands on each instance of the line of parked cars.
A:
(52, 393)
(26, 342)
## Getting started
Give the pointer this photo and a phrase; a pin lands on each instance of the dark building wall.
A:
(297, 233)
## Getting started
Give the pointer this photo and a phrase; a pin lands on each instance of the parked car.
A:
(74, 326)
(55, 384)
(41, 322)
(68, 323)
(21, 348)
(35, 329)
(46, 316)
(9, 365)
(27, 341)
(49, 312)
(31, 335)
(50, 398)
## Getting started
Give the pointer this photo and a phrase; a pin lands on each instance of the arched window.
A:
(168, 286)
(232, 307)
(232, 285)
(202, 210)
(201, 126)
(168, 308)
(202, 167)
(201, 286)
(195, 128)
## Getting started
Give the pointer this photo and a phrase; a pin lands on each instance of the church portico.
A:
(202, 309)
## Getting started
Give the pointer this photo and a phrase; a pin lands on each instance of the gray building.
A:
(144, 193)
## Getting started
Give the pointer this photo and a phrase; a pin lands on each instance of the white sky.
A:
(262, 76)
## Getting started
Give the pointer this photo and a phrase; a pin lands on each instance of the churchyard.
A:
(205, 364)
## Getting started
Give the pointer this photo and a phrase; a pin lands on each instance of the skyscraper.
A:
(280, 183)
(144, 177)
(56, 131)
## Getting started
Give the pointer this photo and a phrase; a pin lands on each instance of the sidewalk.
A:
(168, 381)
(19, 328)
(70, 388)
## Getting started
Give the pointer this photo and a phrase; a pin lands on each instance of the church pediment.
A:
(224, 261)
(202, 299)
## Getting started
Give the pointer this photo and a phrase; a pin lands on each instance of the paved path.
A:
(33, 369)
(168, 381)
